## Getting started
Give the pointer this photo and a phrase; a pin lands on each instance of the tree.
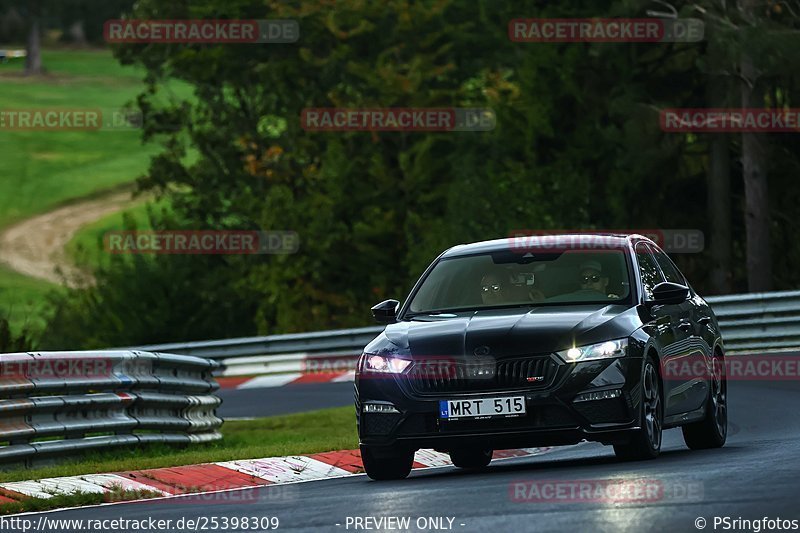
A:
(33, 59)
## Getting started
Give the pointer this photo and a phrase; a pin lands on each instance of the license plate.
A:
(482, 407)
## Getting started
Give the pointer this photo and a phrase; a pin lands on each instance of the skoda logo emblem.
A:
(481, 350)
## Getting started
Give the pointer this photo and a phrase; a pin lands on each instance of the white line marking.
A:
(264, 382)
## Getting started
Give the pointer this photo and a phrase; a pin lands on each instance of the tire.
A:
(471, 458)
(646, 442)
(383, 464)
(712, 431)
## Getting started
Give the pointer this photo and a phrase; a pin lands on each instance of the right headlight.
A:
(593, 352)
(382, 364)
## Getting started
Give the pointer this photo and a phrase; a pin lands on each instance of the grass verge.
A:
(80, 499)
(303, 433)
(23, 301)
(85, 249)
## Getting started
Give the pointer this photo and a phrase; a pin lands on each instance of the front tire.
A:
(471, 458)
(646, 442)
(385, 464)
(712, 431)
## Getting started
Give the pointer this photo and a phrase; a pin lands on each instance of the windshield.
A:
(502, 279)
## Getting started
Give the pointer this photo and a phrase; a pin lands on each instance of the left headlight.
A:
(383, 364)
(593, 352)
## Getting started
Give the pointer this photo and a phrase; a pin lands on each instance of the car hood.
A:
(507, 332)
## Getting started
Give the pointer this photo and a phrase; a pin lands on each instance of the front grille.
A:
(530, 373)
(418, 424)
(604, 411)
(378, 423)
(538, 417)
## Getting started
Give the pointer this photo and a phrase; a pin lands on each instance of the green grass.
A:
(312, 432)
(40, 170)
(22, 301)
(304, 433)
(86, 247)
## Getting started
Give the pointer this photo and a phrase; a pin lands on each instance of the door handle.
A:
(685, 326)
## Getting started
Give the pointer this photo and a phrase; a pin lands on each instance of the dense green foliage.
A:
(577, 145)
(11, 342)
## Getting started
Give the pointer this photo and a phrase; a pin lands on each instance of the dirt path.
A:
(36, 247)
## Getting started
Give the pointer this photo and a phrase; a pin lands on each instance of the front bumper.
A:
(552, 416)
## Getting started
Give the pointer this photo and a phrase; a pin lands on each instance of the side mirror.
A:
(669, 293)
(386, 311)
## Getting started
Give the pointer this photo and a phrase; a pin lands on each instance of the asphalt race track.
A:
(755, 475)
(297, 398)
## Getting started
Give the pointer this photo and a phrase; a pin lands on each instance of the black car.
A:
(564, 339)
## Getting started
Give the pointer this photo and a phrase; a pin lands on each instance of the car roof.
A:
(543, 239)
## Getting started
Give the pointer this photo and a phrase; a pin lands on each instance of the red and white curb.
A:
(280, 380)
(223, 476)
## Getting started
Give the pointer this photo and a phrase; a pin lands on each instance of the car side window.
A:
(668, 268)
(648, 269)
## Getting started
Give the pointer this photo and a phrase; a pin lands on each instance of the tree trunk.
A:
(33, 60)
(719, 211)
(754, 168)
(719, 174)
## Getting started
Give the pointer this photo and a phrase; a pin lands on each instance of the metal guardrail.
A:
(749, 323)
(345, 340)
(758, 322)
(54, 404)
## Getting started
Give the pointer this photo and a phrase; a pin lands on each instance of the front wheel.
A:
(471, 458)
(712, 431)
(646, 442)
(383, 464)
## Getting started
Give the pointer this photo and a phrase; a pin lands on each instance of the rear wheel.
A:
(712, 431)
(646, 442)
(386, 463)
(471, 458)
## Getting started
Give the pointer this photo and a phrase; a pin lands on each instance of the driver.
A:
(592, 278)
(492, 290)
